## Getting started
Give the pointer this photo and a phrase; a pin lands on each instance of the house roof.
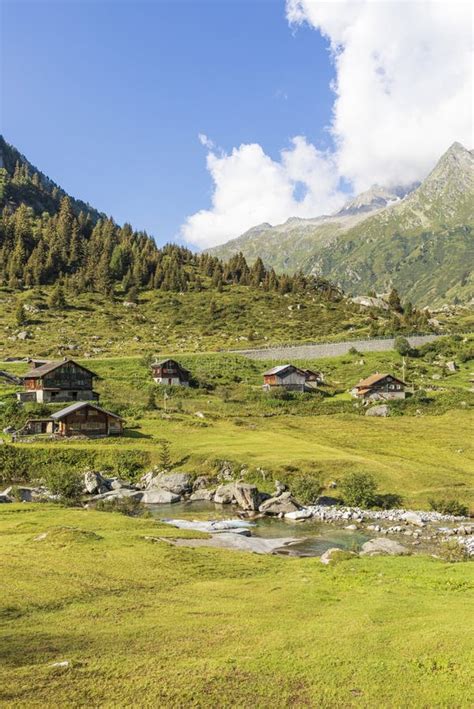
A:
(276, 370)
(50, 367)
(58, 415)
(165, 361)
(279, 369)
(374, 378)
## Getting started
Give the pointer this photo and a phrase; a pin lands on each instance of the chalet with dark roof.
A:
(292, 378)
(82, 418)
(169, 372)
(65, 380)
(380, 387)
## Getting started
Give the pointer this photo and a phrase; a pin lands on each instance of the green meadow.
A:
(423, 450)
(147, 624)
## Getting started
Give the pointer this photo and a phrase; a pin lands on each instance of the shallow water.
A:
(316, 536)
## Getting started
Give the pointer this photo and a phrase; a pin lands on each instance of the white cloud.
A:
(403, 94)
(251, 188)
(204, 140)
(403, 83)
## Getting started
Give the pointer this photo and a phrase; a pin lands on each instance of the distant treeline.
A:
(47, 237)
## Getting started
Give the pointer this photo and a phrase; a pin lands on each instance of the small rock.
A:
(383, 546)
(202, 494)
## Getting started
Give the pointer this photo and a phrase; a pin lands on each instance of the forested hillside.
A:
(47, 236)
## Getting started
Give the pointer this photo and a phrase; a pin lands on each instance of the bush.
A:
(389, 501)
(306, 488)
(65, 483)
(402, 346)
(452, 551)
(449, 507)
(358, 490)
(129, 464)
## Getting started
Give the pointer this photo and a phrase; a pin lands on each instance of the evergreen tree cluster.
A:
(47, 237)
(64, 248)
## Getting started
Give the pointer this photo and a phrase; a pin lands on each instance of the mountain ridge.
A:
(430, 225)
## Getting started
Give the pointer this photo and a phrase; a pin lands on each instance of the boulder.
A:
(119, 494)
(225, 494)
(451, 366)
(413, 518)
(202, 481)
(117, 484)
(283, 504)
(202, 494)
(95, 483)
(382, 410)
(383, 546)
(305, 513)
(332, 554)
(247, 496)
(177, 483)
(159, 497)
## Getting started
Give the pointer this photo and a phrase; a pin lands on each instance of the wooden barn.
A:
(87, 419)
(380, 387)
(58, 381)
(292, 378)
(170, 373)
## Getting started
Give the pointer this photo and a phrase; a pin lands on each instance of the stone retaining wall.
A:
(333, 349)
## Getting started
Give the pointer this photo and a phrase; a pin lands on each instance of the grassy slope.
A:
(173, 321)
(417, 456)
(165, 322)
(151, 625)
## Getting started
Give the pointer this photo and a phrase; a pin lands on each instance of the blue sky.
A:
(108, 98)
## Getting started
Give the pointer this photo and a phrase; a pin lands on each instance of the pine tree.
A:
(20, 315)
(394, 301)
(57, 300)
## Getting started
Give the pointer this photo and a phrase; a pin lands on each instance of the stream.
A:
(316, 537)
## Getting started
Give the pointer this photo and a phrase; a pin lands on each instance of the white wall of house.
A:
(170, 381)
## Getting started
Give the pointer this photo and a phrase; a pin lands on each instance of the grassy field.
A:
(423, 450)
(145, 624)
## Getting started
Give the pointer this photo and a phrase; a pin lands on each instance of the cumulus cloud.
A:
(251, 188)
(402, 95)
(403, 83)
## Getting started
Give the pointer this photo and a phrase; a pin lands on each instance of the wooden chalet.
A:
(170, 373)
(380, 387)
(65, 380)
(82, 418)
(292, 378)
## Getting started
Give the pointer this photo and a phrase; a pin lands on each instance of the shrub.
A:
(65, 483)
(129, 464)
(402, 346)
(306, 488)
(358, 490)
(389, 501)
(449, 507)
(452, 551)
